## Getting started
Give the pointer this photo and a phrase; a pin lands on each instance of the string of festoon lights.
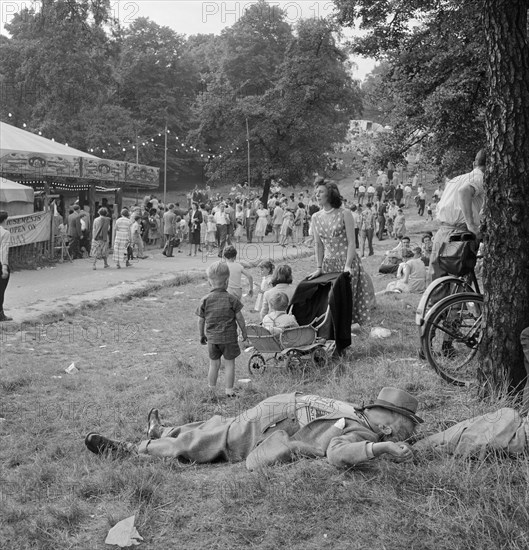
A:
(174, 143)
(25, 127)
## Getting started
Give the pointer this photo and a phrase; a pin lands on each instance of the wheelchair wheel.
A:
(319, 358)
(452, 334)
(256, 364)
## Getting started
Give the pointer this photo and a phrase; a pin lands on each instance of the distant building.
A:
(359, 127)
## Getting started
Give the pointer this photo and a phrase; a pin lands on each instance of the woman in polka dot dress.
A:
(334, 238)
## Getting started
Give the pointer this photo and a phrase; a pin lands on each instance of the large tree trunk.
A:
(506, 262)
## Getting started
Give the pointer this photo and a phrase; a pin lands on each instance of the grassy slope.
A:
(56, 495)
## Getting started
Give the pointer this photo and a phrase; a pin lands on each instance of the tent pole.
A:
(165, 168)
(51, 210)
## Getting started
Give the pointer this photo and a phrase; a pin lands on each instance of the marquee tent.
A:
(15, 198)
(27, 156)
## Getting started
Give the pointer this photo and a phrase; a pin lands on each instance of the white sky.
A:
(198, 16)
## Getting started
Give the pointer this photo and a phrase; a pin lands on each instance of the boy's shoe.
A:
(230, 392)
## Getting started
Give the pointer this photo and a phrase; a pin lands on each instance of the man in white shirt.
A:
(221, 220)
(356, 185)
(361, 193)
(459, 209)
(370, 193)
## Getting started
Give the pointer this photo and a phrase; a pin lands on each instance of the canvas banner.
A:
(33, 228)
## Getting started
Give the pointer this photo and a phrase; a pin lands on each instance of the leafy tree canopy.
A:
(431, 82)
(294, 89)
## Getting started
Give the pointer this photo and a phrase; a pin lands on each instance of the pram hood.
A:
(328, 294)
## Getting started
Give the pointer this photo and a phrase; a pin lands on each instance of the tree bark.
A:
(506, 211)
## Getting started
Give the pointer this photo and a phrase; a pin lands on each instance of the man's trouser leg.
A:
(381, 227)
(168, 249)
(197, 442)
(524, 338)
(370, 233)
(3, 286)
(223, 230)
(74, 248)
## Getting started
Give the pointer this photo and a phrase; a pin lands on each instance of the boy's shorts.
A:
(228, 351)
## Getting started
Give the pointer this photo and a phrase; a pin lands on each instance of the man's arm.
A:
(346, 450)
(466, 194)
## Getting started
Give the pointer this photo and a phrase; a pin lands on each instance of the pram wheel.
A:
(293, 360)
(320, 358)
(256, 364)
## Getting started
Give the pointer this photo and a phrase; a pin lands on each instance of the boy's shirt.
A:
(218, 309)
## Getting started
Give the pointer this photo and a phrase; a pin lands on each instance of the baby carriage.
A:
(322, 307)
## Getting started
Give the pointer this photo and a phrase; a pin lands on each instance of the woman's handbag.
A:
(458, 256)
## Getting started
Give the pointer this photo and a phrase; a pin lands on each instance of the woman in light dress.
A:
(263, 217)
(334, 239)
(122, 238)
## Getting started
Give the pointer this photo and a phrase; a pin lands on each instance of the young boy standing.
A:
(236, 273)
(219, 314)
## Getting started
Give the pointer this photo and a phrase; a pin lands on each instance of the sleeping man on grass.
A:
(285, 427)
(282, 428)
(288, 426)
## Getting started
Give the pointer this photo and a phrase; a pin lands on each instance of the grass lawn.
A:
(141, 353)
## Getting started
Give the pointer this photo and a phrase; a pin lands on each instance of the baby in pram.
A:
(277, 319)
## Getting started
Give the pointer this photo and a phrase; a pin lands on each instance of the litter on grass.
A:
(72, 369)
(379, 332)
(124, 534)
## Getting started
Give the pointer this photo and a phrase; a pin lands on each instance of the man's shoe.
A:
(154, 425)
(101, 445)
(4, 317)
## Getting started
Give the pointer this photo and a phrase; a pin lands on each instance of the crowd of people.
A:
(206, 224)
(286, 427)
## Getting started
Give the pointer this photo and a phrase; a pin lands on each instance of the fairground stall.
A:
(59, 177)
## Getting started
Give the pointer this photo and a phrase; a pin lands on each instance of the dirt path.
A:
(33, 294)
